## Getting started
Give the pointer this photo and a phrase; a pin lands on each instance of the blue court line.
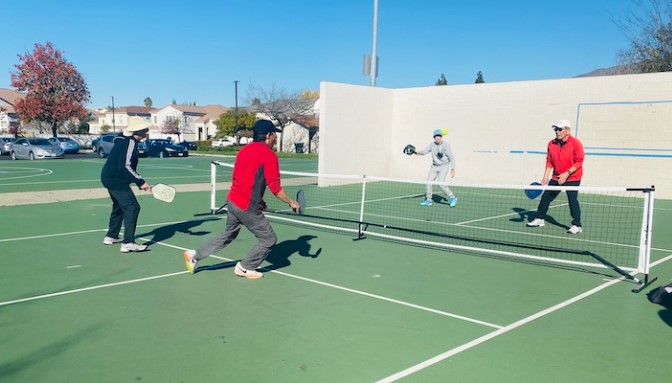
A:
(633, 149)
(633, 155)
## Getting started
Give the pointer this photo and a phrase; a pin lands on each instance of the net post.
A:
(645, 240)
(361, 226)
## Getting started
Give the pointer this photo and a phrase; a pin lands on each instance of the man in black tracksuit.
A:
(118, 172)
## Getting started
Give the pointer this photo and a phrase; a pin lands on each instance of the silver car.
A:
(68, 144)
(34, 148)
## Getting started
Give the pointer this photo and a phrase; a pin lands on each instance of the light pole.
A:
(374, 58)
(114, 127)
(235, 84)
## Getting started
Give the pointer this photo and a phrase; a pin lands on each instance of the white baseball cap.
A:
(564, 124)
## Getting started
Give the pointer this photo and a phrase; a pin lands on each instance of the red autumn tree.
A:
(56, 91)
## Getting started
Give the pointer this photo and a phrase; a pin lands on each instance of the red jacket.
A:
(256, 168)
(563, 156)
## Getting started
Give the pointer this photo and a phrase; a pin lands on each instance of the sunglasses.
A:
(558, 129)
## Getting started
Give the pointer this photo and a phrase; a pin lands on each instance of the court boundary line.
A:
(83, 289)
(521, 322)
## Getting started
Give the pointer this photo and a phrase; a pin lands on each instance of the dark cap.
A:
(265, 127)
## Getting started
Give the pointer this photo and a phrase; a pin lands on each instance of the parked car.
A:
(189, 145)
(222, 142)
(103, 145)
(68, 144)
(6, 145)
(34, 148)
(161, 147)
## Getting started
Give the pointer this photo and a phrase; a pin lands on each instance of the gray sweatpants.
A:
(439, 174)
(256, 223)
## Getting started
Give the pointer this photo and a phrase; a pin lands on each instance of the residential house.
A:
(196, 123)
(300, 134)
(301, 131)
(8, 116)
(117, 118)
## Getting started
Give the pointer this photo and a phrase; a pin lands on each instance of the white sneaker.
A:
(243, 272)
(575, 229)
(537, 222)
(132, 247)
(190, 260)
(110, 240)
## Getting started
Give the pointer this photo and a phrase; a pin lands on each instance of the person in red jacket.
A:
(564, 166)
(256, 168)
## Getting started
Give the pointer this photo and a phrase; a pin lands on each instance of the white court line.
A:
(204, 176)
(502, 331)
(67, 292)
(326, 284)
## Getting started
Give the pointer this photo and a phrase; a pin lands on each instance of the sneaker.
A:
(452, 201)
(427, 202)
(575, 229)
(110, 240)
(190, 260)
(132, 247)
(537, 222)
(243, 272)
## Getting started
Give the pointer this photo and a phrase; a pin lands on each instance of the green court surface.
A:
(329, 309)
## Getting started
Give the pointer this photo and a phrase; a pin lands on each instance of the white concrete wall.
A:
(499, 131)
(358, 134)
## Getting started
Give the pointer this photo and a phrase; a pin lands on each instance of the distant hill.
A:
(611, 71)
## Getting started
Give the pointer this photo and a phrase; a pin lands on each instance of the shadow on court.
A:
(165, 232)
(42, 354)
(666, 316)
(280, 253)
(278, 257)
(525, 215)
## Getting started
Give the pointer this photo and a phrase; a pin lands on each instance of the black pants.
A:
(572, 196)
(125, 209)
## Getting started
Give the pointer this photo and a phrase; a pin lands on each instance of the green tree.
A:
(649, 33)
(479, 78)
(226, 123)
(148, 102)
(442, 80)
(56, 91)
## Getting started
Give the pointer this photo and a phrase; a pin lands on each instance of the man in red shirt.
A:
(255, 169)
(564, 158)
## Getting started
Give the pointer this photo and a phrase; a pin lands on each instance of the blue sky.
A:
(192, 51)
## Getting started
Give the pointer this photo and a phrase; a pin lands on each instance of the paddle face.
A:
(163, 192)
(409, 149)
(301, 199)
(533, 193)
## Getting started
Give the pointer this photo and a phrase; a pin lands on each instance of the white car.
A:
(6, 145)
(222, 142)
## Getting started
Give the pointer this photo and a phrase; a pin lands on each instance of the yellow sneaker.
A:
(190, 260)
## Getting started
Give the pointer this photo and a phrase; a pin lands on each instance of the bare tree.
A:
(278, 105)
(649, 33)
